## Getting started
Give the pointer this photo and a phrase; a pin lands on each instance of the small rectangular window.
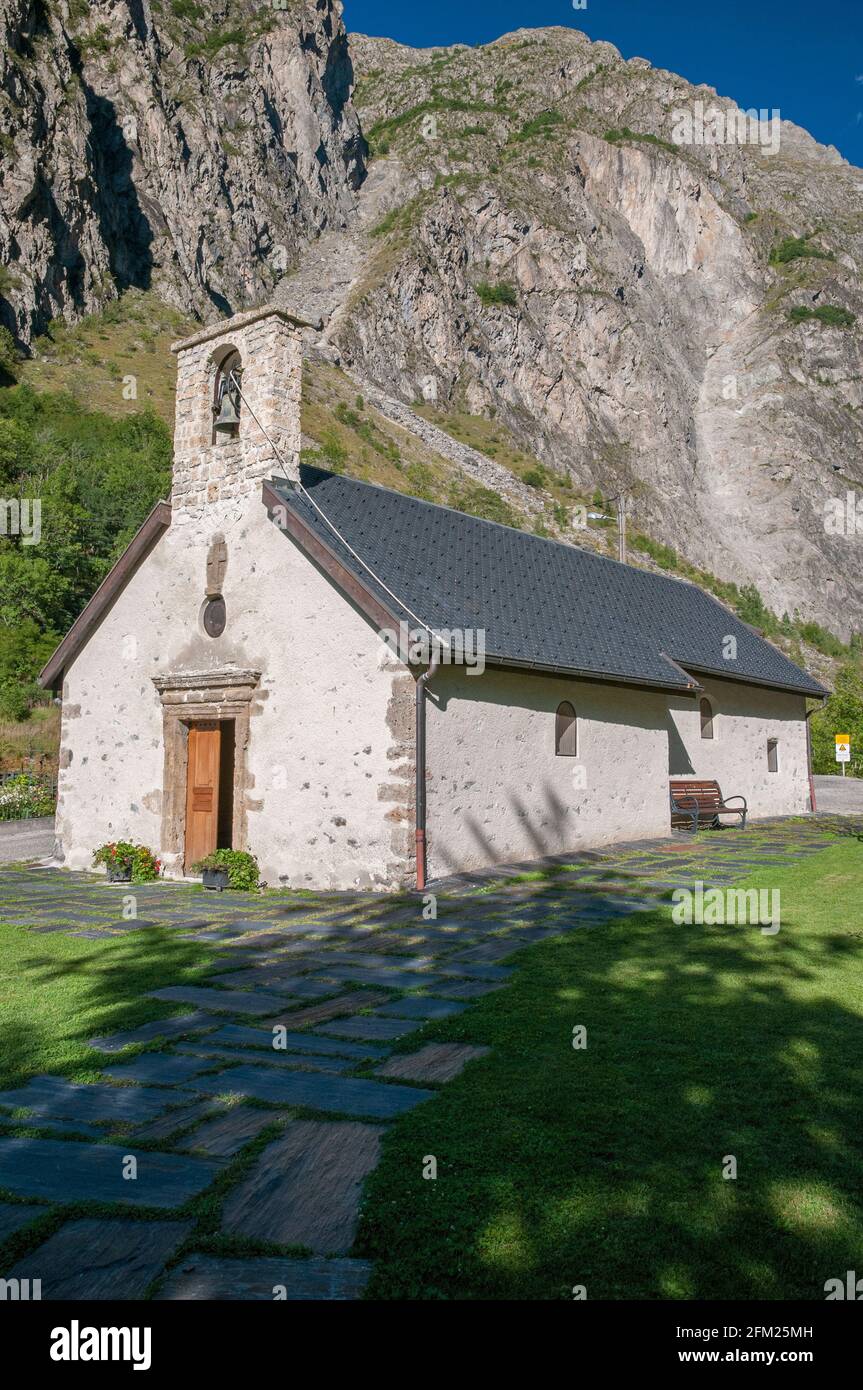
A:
(773, 755)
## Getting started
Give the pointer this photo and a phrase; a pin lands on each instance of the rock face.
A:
(533, 241)
(609, 293)
(193, 150)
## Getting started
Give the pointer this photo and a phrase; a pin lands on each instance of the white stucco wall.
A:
(744, 718)
(497, 790)
(329, 795)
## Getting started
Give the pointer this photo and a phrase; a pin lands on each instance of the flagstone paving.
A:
(57, 1171)
(302, 1061)
(226, 1134)
(419, 1006)
(305, 1187)
(372, 1029)
(93, 1259)
(205, 1277)
(305, 996)
(156, 1068)
(435, 1062)
(221, 1001)
(185, 1025)
(339, 1094)
(235, 1033)
(15, 1215)
(53, 1096)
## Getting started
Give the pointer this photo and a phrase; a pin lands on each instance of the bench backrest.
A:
(706, 795)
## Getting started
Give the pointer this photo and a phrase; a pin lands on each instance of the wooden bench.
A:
(698, 804)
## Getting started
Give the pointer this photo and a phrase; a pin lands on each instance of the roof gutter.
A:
(420, 761)
(691, 687)
(820, 693)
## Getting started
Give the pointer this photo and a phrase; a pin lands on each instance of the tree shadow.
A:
(604, 1166)
(79, 996)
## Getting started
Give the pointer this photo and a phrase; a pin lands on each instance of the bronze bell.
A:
(228, 419)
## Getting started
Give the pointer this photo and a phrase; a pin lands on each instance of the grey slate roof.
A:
(540, 603)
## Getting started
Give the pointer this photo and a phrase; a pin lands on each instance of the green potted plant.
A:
(128, 863)
(228, 868)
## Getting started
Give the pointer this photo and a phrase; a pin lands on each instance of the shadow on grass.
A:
(604, 1167)
(54, 1001)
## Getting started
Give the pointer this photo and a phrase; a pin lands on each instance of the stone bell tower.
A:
(216, 460)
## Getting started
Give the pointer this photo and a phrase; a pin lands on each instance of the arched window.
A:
(565, 731)
(706, 719)
(226, 399)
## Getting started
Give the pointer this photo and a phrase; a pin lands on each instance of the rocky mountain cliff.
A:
(527, 243)
(163, 144)
(679, 320)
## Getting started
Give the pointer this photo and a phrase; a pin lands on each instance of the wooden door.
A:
(202, 792)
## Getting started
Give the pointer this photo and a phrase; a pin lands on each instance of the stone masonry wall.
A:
(269, 344)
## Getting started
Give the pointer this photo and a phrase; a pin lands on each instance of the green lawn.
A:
(56, 991)
(603, 1167)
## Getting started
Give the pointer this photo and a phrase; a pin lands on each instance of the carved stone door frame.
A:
(189, 698)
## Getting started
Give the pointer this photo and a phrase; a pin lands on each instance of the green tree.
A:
(841, 714)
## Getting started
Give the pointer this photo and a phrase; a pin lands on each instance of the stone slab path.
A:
(93, 1259)
(204, 1277)
(305, 1187)
(61, 1172)
(257, 1108)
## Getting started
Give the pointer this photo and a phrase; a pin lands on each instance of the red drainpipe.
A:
(809, 712)
(422, 682)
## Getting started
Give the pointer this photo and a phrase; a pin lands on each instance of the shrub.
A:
(387, 222)
(830, 314)
(496, 294)
(476, 500)
(123, 855)
(794, 248)
(823, 641)
(216, 41)
(334, 451)
(614, 136)
(241, 868)
(9, 355)
(534, 477)
(25, 795)
(664, 555)
(14, 705)
(751, 608)
(540, 124)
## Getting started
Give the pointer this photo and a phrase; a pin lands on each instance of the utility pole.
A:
(621, 527)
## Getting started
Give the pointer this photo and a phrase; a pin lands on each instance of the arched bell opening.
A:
(227, 400)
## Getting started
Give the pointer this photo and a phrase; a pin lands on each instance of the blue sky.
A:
(804, 58)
